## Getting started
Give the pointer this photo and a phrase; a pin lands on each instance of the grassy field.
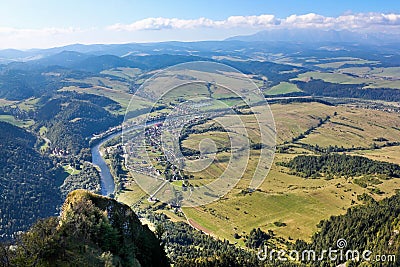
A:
(391, 72)
(388, 154)
(29, 104)
(339, 76)
(338, 64)
(20, 123)
(126, 73)
(71, 170)
(240, 214)
(331, 77)
(300, 203)
(184, 92)
(356, 127)
(283, 88)
(131, 194)
(294, 119)
(220, 139)
(122, 97)
(5, 102)
(229, 85)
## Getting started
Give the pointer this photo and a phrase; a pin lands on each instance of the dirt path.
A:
(197, 226)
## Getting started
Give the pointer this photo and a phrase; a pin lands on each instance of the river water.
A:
(107, 180)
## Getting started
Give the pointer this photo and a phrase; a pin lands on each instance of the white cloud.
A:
(163, 23)
(348, 21)
(306, 21)
(174, 23)
(311, 20)
(168, 29)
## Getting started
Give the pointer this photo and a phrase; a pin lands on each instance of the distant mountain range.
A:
(203, 49)
(238, 46)
(318, 35)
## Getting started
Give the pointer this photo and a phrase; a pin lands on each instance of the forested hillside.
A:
(331, 165)
(371, 227)
(29, 182)
(71, 119)
(317, 87)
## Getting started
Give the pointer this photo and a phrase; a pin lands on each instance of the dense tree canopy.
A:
(340, 165)
(28, 182)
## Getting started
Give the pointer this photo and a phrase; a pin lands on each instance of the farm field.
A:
(122, 97)
(331, 77)
(293, 119)
(126, 73)
(20, 123)
(352, 127)
(353, 61)
(5, 102)
(390, 72)
(340, 77)
(283, 88)
(388, 154)
(298, 203)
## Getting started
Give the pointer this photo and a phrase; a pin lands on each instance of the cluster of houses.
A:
(139, 161)
(155, 156)
(60, 152)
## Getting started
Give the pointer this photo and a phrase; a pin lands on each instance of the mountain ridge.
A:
(317, 35)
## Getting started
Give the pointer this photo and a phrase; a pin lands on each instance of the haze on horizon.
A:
(46, 23)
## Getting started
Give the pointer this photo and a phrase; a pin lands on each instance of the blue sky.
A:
(43, 23)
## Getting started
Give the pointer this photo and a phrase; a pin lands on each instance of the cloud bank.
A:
(167, 29)
(311, 20)
(174, 23)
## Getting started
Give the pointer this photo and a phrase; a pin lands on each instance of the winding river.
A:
(107, 180)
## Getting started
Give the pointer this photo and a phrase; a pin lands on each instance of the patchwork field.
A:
(385, 78)
(289, 205)
(352, 61)
(299, 203)
(126, 73)
(293, 119)
(352, 127)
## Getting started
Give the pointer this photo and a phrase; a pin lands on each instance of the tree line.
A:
(338, 165)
